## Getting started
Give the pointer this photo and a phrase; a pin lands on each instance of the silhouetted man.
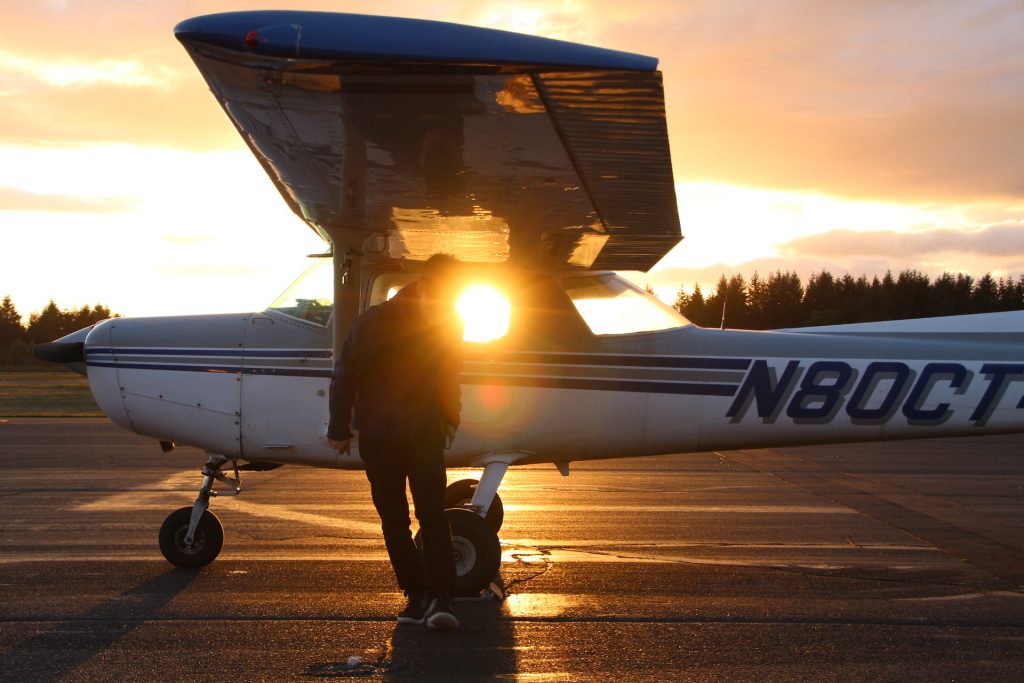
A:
(399, 369)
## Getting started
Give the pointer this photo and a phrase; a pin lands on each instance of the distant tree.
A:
(10, 323)
(46, 325)
(821, 301)
(781, 301)
(985, 296)
(783, 306)
(852, 295)
(52, 323)
(911, 296)
(85, 316)
(682, 298)
(737, 303)
(1011, 294)
(757, 301)
(962, 296)
(694, 308)
(943, 295)
(714, 304)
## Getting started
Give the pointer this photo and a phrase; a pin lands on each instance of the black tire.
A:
(475, 549)
(461, 492)
(208, 541)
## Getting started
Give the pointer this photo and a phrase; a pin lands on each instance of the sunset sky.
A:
(855, 135)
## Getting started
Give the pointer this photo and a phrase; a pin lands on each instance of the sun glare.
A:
(485, 313)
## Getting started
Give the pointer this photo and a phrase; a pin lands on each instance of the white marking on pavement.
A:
(129, 500)
(965, 596)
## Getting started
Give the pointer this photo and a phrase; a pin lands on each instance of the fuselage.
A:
(254, 386)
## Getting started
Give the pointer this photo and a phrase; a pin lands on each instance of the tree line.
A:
(17, 339)
(782, 300)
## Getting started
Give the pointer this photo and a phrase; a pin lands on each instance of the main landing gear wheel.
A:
(460, 493)
(475, 549)
(209, 539)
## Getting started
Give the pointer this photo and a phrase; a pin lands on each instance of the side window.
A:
(610, 305)
(311, 296)
(386, 284)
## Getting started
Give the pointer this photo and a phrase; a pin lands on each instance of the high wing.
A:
(411, 137)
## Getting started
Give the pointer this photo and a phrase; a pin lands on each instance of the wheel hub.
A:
(464, 555)
(189, 549)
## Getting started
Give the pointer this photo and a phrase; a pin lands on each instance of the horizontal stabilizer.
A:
(979, 326)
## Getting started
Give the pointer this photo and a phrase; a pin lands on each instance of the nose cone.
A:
(69, 350)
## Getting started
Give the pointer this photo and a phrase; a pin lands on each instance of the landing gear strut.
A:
(193, 536)
(460, 494)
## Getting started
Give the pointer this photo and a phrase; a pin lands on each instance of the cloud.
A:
(14, 199)
(184, 118)
(68, 72)
(1005, 240)
(187, 239)
(910, 101)
(212, 269)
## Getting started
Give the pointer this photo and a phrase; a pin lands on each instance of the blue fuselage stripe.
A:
(224, 369)
(603, 359)
(212, 353)
(553, 359)
(625, 385)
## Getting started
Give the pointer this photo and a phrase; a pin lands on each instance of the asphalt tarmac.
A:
(899, 561)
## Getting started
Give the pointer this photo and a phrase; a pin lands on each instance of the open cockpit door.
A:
(403, 138)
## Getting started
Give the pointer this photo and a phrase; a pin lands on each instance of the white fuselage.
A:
(257, 389)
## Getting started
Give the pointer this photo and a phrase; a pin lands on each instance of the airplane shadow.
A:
(73, 641)
(482, 649)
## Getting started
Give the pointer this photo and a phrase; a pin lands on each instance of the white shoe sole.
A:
(443, 621)
(409, 620)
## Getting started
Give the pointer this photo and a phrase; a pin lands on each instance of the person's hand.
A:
(343, 446)
(449, 433)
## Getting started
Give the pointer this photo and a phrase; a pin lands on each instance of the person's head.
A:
(439, 281)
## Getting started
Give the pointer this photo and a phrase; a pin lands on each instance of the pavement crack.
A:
(545, 559)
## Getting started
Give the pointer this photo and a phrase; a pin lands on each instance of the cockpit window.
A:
(610, 305)
(311, 296)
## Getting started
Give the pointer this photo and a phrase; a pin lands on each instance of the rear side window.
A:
(611, 305)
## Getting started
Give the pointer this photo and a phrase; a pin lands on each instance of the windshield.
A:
(610, 305)
(310, 297)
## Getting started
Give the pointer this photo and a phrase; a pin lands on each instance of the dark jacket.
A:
(400, 371)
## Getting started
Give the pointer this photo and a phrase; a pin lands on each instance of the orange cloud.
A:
(1004, 241)
(13, 199)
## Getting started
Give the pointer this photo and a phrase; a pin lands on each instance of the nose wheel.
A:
(192, 537)
(206, 542)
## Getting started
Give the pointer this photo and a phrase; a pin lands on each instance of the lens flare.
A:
(485, 313)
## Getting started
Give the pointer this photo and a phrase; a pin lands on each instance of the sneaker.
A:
(440, 614)
(415, 611)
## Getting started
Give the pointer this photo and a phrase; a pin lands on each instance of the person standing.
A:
(399, 370)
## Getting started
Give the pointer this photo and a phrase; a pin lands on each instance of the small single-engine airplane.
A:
(546, 166)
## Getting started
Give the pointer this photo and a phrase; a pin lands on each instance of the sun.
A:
(485, 313)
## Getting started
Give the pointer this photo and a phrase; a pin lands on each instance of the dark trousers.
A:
(388, 465)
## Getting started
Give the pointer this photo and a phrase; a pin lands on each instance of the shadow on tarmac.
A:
(72, 642)
(482, 648)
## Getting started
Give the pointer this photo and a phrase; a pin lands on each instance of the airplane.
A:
(544, 165)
